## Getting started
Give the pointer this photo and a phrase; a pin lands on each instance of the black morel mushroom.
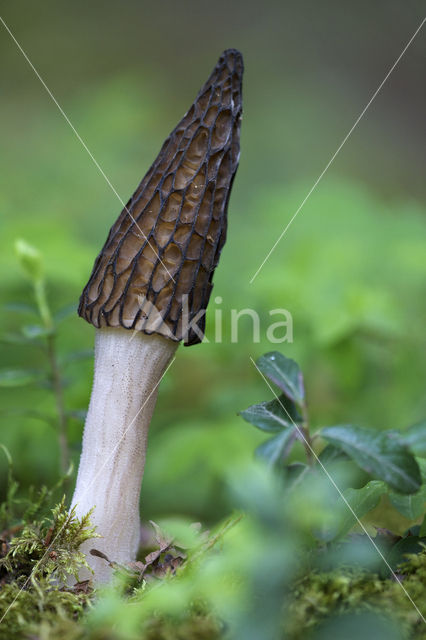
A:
(154, 278)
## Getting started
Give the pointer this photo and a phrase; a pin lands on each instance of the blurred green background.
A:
(351, 268)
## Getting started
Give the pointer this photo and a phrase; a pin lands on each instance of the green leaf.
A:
(285, 373)
(411, 506)
(273, 416)
(361, 501)
(35, 331)
(278, 447)
(30, 259)
(378, 454)
(17, 377)
(295, 472)
(422, 531)
(332, 454)
(415, 438)
(400, 550)
(422, 466)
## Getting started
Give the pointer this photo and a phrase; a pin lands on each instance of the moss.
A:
(34, 565)
(49, 547)
(320, 595)
(37, 558)
(37, 607)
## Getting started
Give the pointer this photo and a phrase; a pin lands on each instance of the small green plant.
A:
(361, 464)
(42, 334)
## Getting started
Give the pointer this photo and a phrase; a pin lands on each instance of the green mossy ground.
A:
(318, 595)
(39, 557)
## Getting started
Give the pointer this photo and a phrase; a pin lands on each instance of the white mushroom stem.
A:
(128, 369)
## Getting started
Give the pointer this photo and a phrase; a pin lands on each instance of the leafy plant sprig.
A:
(42, 334)
(391, 463)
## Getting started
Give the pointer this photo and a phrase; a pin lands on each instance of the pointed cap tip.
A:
(154, 273)
(232, 53)
(234, 60)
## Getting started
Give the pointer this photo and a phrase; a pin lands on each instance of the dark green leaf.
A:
(422, 531)
(422, 466)
(399, 551)
(285, 373)
(332, 454)
(411, 506)
(272, 416)
(378, 454)
(295, 472)
(278, 447)
(414, 530)
(17, 378)
(360, 501)
(415, 438)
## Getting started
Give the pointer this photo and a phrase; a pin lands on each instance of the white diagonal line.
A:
(80, 139)
(302, 436)
(333, 157)
(24, 586)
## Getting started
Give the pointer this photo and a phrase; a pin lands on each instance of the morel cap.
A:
(157, 264)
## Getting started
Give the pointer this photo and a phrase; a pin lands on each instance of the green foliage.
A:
(237, 581)
(43, 336)
(17, 509)
(415, 438)
(272, 416)
(294, 522)
(357, 503)
(411, 506)
(378, 454)
(351, 272)
(286, 415)
(277, 448)
(387, 456)
(285, 373)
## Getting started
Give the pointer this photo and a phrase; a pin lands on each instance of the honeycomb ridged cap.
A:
(154, 273)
